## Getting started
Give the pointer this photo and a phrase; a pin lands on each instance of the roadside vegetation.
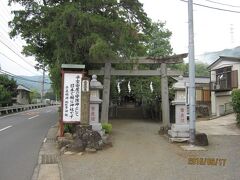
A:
(8, 90)
(236, 104)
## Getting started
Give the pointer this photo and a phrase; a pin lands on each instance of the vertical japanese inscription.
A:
(77, 95)
(66, 101)
(71, 100)
(72, 97)
(85, 102)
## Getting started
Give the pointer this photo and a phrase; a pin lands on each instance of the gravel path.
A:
(139, 153)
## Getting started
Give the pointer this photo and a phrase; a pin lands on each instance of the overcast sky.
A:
(214, 29)
(11, 59)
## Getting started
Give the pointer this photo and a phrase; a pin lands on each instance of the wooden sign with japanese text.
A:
(72, 97)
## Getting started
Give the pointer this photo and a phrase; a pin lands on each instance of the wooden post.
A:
(165, 99)
(106, 92)
(61, 117)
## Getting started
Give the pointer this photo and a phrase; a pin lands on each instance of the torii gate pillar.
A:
(106, 92)
(165, 99)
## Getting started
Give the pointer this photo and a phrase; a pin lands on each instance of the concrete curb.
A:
(49, 165)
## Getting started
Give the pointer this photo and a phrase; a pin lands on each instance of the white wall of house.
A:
(213, 76)
(213, 104)
(221, 101)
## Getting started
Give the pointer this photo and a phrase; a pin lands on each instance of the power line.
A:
(215, 8)
(19, 77)
(15, 53)
(17, 47)
(7, 21)
(5, 12)
(4, 28)
(230, 5)
(16, 63)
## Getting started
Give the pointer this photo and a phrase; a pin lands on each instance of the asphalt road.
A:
(21, 136)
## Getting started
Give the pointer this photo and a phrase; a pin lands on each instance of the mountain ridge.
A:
(34, 82)
(210, 57)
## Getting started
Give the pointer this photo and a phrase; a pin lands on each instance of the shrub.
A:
(68, 128)
(236, 103)
(107, 127)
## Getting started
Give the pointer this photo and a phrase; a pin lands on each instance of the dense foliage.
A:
(157, 45)
(50, 95)
(159, 41)
(236, 103)
(60, 31)
(34, 95)
(8, 90)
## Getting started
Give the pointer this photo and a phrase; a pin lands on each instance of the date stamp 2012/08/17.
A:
(207, 161)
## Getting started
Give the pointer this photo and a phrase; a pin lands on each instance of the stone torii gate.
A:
(107, 71)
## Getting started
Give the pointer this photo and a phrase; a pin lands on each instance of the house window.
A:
(223, 78)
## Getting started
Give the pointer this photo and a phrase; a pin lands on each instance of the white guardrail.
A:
(18, 108)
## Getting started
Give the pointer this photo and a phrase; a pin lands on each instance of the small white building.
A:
(23, 96)
(224, 78)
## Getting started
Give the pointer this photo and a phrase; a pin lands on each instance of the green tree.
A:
(8, 90)
(50, 95)
(157, 45)
(5, 96)
(200, 69)
(159, 41)
(236, 104)
(60, 31)
(34, 94)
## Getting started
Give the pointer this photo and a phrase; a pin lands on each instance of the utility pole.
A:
(191, 73)
(43, 79)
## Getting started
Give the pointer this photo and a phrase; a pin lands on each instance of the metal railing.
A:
(18, 108)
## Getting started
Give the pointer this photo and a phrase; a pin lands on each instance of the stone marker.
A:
(95, 101)
(181, 127)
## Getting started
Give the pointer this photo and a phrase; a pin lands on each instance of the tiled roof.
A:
(21, 87)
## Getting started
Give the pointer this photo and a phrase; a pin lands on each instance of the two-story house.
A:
(224, 78)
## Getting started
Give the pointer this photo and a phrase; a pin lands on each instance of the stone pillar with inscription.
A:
(95, 101)
(180, 129)
(85, 101)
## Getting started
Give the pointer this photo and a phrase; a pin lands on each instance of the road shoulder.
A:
(49, 166)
